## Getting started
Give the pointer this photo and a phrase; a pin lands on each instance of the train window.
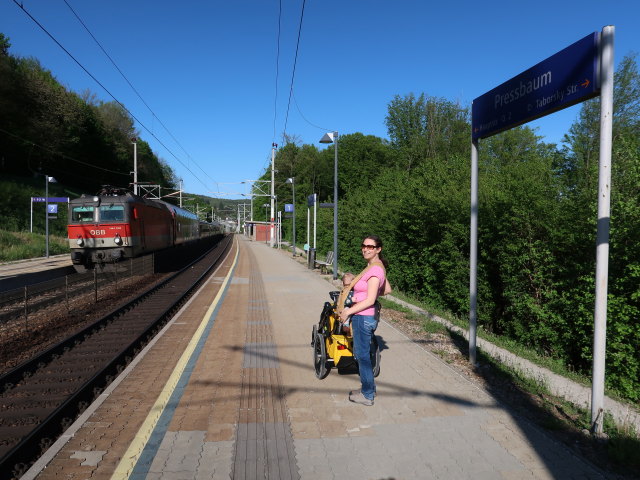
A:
(111, 213)
(82, 214)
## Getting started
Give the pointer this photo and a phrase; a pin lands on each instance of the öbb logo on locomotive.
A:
(115, 224)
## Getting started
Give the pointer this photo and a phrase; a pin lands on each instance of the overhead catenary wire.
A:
(293, 73)
(21, 6)
(66, 157)
(135, 90)
(304, 118)
(275, 102)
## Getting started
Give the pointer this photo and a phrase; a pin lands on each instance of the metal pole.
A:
(473, 255)
(602, 239)
(135, 167)
(181, 194)
(273, 161)
(31, 222)
(315, 217)
(335, 207)
(308, 233)
(279, 230)
(293, 186)
(26, 307)
(46, 214)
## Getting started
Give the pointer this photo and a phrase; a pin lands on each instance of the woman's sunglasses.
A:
(364, 246)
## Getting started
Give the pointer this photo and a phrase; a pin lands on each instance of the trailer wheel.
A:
(320, 357)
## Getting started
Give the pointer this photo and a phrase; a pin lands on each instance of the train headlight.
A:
(80, 241)
(117, 240)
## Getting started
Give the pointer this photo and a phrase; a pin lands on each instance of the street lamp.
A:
(292, 181)
(332, 137)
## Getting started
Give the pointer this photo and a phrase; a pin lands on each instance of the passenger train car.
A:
(116, 224)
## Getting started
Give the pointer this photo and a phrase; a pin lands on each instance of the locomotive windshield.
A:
(112, 213)
(82, 214)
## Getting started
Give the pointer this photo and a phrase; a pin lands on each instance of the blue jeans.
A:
(363, 327)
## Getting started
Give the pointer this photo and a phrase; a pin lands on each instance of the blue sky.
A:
(207, 69)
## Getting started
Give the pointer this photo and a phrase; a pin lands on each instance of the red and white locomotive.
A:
(116, 224)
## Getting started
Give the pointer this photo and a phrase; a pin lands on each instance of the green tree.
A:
(5, 45)
(423, 127)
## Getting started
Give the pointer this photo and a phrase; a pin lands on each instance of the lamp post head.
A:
(291, 180)
(51, 180)
(328, 137)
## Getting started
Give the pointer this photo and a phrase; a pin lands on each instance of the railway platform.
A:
(228, 391)
(24, 272)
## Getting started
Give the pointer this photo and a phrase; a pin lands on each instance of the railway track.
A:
(42, 397)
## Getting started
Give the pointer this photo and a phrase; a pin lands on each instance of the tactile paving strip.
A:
(264, 444)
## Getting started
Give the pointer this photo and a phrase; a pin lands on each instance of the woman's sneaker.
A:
(360, 398)
(356, 392)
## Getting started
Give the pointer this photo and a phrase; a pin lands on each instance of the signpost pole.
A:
(602, 237)
(473, 255)
(46, 214)
(293, 186)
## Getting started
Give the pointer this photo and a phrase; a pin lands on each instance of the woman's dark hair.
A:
(378, 241)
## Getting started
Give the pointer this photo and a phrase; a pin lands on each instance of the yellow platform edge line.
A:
(131, 456)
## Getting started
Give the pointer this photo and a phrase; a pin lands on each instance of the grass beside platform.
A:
(617, 452)
(24, 245)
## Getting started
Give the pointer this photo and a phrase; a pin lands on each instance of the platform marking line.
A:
(140, 441)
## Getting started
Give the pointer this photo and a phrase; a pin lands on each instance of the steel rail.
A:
(20, 456)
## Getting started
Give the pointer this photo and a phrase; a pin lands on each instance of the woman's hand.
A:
(344, 315)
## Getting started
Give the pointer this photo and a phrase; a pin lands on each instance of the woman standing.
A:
(370, 286)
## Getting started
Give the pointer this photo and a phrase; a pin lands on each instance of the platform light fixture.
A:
(332, 137)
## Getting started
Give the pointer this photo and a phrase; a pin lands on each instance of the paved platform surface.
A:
(25, 272)
(20, 267)
(229, 391)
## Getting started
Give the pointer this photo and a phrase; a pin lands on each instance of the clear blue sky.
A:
(207, 69)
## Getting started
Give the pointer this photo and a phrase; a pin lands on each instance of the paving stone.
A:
(253, 407)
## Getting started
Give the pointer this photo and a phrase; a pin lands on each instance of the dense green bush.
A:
(537, 221)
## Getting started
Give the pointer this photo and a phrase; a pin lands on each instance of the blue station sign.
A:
(288, 207)
(50, 199)
(562, 80)
(311, 199)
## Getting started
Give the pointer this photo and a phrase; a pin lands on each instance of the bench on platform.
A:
(327, 263)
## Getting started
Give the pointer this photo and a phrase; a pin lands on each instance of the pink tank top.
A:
(360, 288)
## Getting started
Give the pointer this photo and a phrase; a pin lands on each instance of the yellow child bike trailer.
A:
(333, 348)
